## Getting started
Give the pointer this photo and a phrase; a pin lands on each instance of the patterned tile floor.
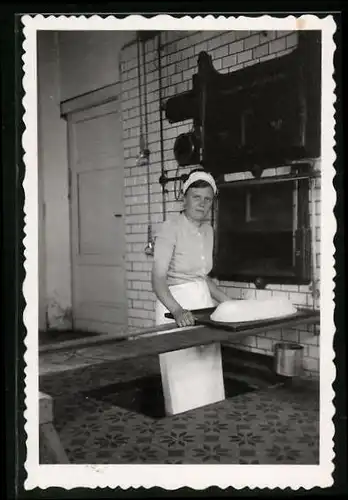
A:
(271, 425)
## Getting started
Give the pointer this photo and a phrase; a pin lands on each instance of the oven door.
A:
(262, 232)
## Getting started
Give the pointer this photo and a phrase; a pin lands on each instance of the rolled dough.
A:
(234, 311)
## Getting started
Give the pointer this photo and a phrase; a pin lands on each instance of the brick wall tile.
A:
(195, 38)
(308, 338)
(137, 257)
(290, 335)
(229, 61)
(285, 52)
(268, 58)
(240, 34)
(220, 52)
(283, 33)
(139, 313)
(250, 63)
(193, 63)
(236, 284)
(314, 351)
(148, 305)
(247, 293)
(260, 51)
(269, 172)
(280, 294)
(129, 266)
(249, 341)
(264, 343)
(218, 64)
(188, 51)
(130, 238)
(277, 45)
(298, 298)
(138, 266)
(263, 294)
(274, 287)
(252, 41)
(236, 47)
(138, 276)
(132, 294)
(232, 292)
(268, 36)
(311, 364)
(214, 43)
(274, 335)
(236, 67)
(289, 288)
(227, 37)
(201, 47)
(142, 285)
(291, 40)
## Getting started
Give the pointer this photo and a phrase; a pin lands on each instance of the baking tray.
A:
(202, 317)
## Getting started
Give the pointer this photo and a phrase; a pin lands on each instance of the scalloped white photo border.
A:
(171, 477)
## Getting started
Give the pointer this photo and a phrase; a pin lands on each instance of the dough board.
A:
(202, 317)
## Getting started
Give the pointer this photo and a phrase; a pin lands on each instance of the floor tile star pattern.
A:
(271, 425)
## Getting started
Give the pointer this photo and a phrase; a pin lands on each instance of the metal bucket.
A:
(288, 359)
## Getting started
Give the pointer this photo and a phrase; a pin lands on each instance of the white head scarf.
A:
(199, 176)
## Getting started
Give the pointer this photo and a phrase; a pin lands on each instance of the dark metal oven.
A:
(262, 231)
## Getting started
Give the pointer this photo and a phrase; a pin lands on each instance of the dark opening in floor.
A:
(144, 395)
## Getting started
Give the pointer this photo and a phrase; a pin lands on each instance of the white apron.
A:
(191, 377)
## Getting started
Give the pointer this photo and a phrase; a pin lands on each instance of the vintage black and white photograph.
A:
(179, 246)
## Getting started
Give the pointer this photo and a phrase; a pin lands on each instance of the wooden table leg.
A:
(52, 442)
(48, 434)
(192, 378)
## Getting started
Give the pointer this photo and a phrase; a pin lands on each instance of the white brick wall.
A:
(230, 51)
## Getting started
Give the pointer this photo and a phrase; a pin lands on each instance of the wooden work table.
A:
(166, 338)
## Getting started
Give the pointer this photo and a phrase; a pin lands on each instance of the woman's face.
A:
(198, 202)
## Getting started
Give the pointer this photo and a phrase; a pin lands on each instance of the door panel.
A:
(99, 283)
(97, 216)
(95, 144)
(99, 229)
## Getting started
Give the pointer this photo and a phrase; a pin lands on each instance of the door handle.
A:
(118, 215)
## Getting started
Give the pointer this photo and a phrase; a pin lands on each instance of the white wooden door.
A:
(97, 219)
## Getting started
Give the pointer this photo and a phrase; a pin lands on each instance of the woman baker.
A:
(183, 258)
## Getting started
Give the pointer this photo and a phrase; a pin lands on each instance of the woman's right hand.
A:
(183, 317)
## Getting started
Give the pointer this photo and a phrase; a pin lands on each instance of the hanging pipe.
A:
(314, 246)
(142, 141)
(149, 249)
(161, 124)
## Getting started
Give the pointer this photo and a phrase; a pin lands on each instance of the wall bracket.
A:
(163, 180)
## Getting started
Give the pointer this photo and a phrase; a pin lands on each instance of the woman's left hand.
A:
(184, 318)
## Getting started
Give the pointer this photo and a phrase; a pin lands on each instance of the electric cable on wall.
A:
(142, 142)
(145, 152)
(177, 185)
(161, 121)
(315, 289)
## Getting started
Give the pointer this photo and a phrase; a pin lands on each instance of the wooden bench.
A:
(48, 434)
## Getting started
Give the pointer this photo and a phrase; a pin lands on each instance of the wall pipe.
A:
(314, 247)
(161, 123)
